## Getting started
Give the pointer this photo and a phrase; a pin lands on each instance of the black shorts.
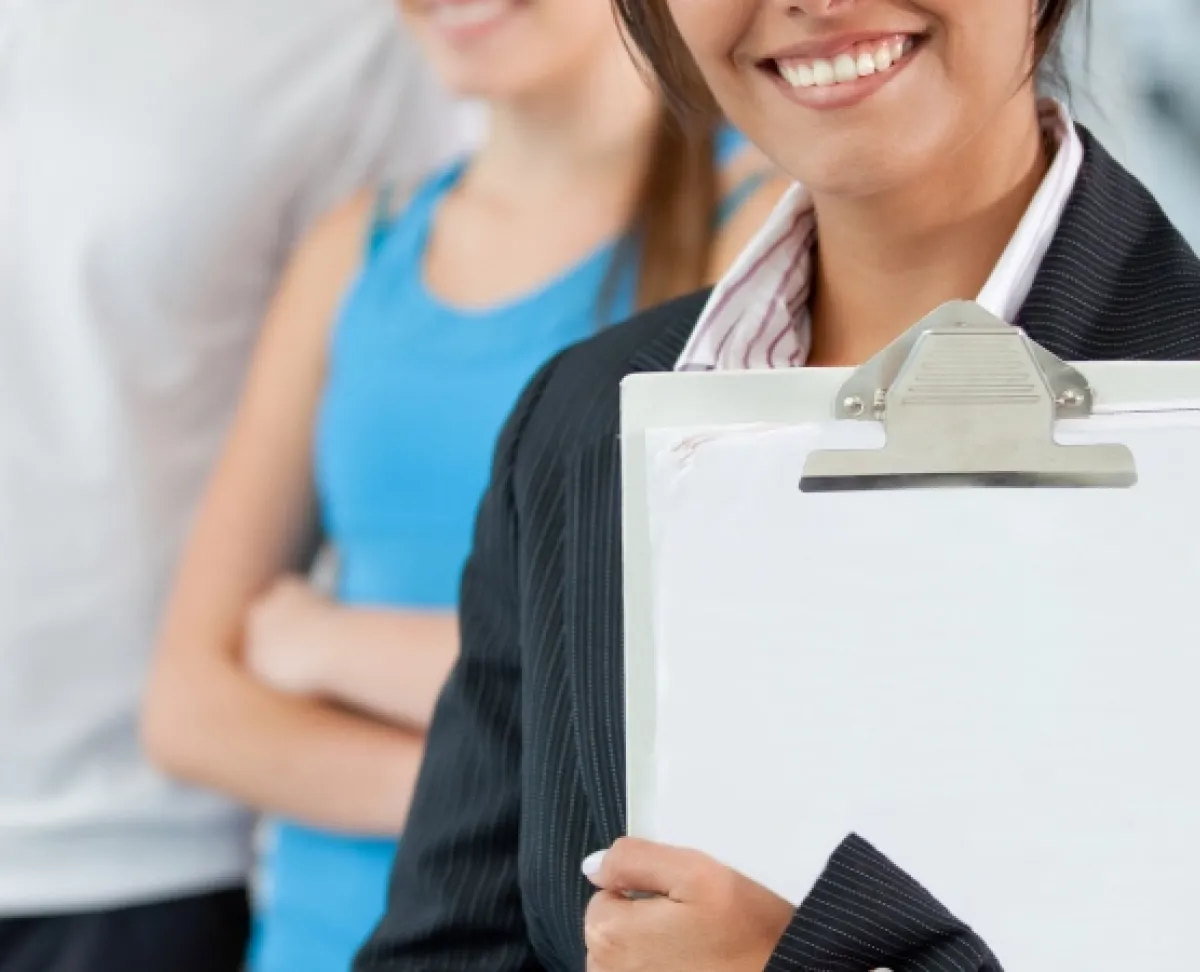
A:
(203, 933)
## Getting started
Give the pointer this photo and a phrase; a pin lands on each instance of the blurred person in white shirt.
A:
(158, 159)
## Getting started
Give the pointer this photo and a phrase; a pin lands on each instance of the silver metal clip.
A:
(966, 401)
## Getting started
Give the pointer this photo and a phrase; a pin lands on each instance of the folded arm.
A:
(207, 718)
(385, 663)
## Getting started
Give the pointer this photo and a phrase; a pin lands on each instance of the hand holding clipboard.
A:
(988, 687)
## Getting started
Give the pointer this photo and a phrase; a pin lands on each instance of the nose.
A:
(817, 8)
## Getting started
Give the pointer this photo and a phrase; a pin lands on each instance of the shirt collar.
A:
(757, 315)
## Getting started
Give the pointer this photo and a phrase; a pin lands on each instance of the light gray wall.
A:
(1136, 44)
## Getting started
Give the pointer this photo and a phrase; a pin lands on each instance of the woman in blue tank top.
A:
(403, 334)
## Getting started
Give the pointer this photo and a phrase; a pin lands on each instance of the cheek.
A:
(989, 46)
(711, 29)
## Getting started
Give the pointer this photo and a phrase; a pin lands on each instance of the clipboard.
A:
(963, 430)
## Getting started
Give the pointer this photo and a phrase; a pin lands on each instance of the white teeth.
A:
(823, 72)
(798, 75)
(845, 68)
(805, 77)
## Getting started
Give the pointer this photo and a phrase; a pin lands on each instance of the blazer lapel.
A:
(1118, 281)
(593, 615)
(1098, 295)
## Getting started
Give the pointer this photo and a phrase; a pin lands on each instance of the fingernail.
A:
(591, 864)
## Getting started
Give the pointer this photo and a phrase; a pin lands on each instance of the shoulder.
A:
(319, 271)
(651, 340)
(1119, 280)
(575, 398)
(346, 221)
(331, 251)
(1108, 198)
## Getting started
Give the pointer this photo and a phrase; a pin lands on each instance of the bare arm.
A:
(386, 663)
(394, 665)
(206, 718)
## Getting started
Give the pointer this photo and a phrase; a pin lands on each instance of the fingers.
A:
(633, 865)
(616, 929)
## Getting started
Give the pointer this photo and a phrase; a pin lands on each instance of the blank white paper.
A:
(997, 688)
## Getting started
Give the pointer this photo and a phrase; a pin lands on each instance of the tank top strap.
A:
(729, 144)
(399, 209)
(733, 200)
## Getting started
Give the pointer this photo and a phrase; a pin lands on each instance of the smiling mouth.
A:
(866, 59)
(468, 16)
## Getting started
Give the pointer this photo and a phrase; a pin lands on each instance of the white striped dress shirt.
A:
(757, 316)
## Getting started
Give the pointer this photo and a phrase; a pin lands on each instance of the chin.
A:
(468, 81)
(491, 80)
(846, 177)
(857, 166)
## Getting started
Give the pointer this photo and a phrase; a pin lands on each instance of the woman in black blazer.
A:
(931, 176)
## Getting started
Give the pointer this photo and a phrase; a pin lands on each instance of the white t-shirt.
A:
(158, 159)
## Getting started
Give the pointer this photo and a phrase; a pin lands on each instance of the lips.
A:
(842, 72)
(469, 15)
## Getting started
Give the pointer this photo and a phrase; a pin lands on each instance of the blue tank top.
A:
(416, 394)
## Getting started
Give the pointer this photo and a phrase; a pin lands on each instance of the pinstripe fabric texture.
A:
(524, 774)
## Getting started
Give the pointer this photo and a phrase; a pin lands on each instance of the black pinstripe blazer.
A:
(524, 773)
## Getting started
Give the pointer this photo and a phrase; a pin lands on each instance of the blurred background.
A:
(1137, 86)
(152, 190)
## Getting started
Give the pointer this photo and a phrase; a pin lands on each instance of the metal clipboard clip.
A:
(966, 400)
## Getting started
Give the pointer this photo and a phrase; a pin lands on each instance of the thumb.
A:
(640, 866)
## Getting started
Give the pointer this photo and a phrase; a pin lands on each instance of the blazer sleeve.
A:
(455, 903)
(865, 913)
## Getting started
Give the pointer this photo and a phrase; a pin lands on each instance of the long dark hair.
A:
(1052, 17)
(669, 240)
(649, 25)
(671, 234)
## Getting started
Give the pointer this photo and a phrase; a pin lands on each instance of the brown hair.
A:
(649, 25)
(671, 234)
(1052, 17)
